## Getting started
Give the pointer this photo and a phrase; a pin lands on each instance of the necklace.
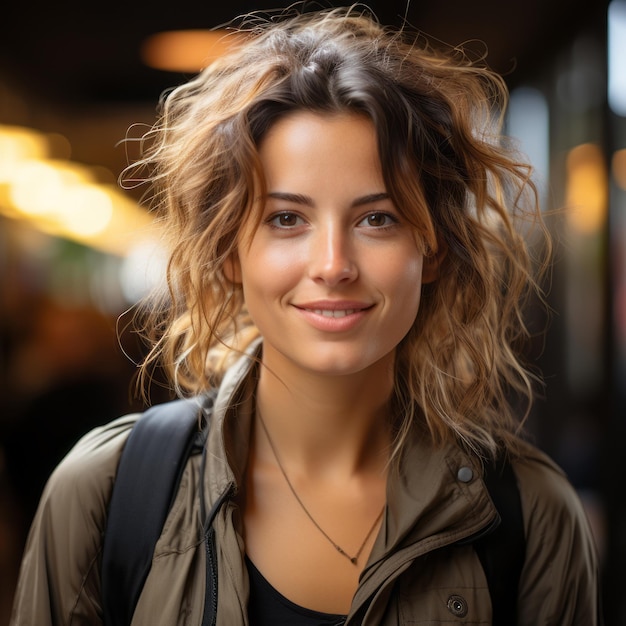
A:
(353, 559)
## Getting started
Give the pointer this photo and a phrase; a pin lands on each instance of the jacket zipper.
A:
(209, 616)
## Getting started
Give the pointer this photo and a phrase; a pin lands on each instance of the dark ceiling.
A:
(74, 52)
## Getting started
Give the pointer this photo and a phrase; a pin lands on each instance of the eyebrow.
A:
(297, 198)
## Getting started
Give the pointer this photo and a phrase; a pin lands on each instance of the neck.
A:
(328, 423)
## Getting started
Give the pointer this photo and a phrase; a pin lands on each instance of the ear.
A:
(232, 269)
(432, 263)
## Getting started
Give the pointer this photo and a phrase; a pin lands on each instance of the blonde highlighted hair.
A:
(446, 166)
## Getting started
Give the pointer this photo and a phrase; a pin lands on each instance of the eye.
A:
(379, 220)
(284, 219)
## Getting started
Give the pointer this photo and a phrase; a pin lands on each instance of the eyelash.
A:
(271, 221)
(392, 219)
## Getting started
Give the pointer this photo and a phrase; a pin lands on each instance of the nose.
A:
(332, 259)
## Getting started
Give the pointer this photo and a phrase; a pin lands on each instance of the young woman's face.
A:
(332, 276)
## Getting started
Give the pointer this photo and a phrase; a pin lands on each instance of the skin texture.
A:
(331, 277)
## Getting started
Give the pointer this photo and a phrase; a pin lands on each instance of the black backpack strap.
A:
(148, 475)
(502, 551)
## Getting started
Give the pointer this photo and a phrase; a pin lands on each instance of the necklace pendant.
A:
(353, 560)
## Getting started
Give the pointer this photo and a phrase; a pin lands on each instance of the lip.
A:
(334, 315)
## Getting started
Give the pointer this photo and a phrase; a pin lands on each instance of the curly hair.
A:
(447, 167)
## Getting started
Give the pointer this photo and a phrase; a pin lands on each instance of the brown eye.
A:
(284, 220)
(379, 220)
(287, 219)
(376, 219)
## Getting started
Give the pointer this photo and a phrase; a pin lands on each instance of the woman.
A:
(345, 269)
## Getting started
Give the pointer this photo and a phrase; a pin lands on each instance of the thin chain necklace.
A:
(353, 559)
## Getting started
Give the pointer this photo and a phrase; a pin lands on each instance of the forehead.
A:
(316, 149)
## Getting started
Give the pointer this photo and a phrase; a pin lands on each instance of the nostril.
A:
(336, 271)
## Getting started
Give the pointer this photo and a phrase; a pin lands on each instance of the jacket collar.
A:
(229, 435)
(435, 497)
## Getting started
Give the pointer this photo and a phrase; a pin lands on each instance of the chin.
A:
(341, 363)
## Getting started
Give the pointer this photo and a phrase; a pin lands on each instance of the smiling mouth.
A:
(337, 313)
(334, 316)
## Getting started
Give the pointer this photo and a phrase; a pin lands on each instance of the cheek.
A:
(268, 273)
(275, 255)
(280, 258)
(401, 274)
(404, 291)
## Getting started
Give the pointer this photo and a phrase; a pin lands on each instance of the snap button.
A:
(457, 606)
(465, 474)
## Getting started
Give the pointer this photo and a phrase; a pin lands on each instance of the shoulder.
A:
(80, 486)
(560, 582)
(59, 575)
(545, 490)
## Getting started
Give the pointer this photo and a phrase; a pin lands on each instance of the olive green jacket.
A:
(418, 563)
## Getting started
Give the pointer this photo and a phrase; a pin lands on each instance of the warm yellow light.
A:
(86, 211)
(64, 198)
(187, 50)
(128, 225)
(38, 188)
(619, 168)
(18, 144)
(586, 188)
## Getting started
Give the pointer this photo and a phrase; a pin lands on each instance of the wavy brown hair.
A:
(447, 167)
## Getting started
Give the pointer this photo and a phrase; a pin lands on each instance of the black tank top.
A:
(268, 607)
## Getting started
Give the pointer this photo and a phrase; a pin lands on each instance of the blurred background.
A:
(77, 251)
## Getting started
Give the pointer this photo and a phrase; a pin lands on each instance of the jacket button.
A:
(457, 606)
(465, 474)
